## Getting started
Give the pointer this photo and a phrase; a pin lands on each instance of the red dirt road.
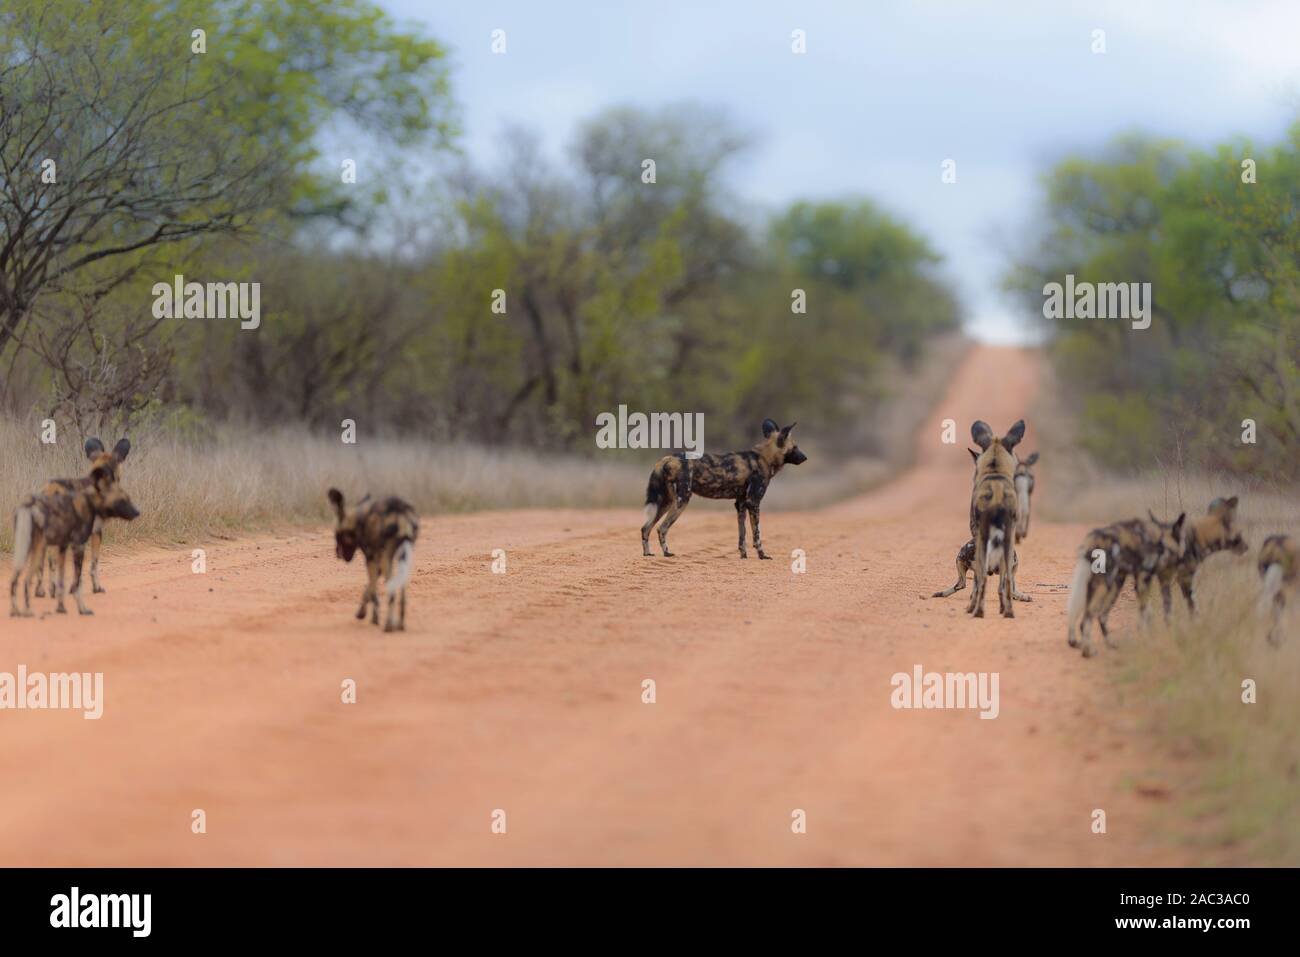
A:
(522, 692)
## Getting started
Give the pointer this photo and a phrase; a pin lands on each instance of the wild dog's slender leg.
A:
(1016, 593)
(1185, 583)
(758, 535)
(96, 541)
(660, 508)
(63, 557)
(962, 568)
(976, 604)
(740, 526)
(1007, 586)
(674, 513)
(78, 559)
(1275, 627)
(40, 577)
(402, 622)
(372, 588)
(390, 614)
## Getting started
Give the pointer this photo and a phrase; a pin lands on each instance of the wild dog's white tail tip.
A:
(993, 552)
(1078, 595)
(22, 536)
(401, 568)
(1272, 584)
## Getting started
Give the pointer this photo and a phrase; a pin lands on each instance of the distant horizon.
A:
(883, 96)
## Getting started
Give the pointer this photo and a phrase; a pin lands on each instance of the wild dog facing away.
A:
(742, 476)
(1214, 532)
(1279, 568)
(1024, 481)
(994, 512)
(63, 518)
(385, 530)
(1143, 549)
(97, 456)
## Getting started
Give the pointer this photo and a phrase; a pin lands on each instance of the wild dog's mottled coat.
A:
(966, 554)
(994, 511)
(1213, 532)
(742, 476)
(385, 531)
(98, 457)
(63, 519)
(1279, 568)
(1138, 548)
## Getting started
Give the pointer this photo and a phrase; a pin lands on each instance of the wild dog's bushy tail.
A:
(1022, 497)
(1272, 585)
(22, 536)
(656, 491)
(1078, 596)
(401, 567)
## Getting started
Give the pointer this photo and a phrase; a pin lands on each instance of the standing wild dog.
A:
(966, 554)
(1211, 533)
(994, 512)
(385, 530)
(63, 519)
(97, 456)
(1139, 548)
(1279, 567)
(1024, 481)
(742, 476)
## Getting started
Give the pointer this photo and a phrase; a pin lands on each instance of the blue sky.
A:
(886, 92)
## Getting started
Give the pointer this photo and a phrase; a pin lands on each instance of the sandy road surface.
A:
(523, 692)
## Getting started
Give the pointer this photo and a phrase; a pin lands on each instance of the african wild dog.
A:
(63, 518)
(97, 456)
(1024, 481)
(1213, 532)
(1139, 548)
(1279, 567)
(385, 530)
(742, 476)
(994, 512)
(966, 554)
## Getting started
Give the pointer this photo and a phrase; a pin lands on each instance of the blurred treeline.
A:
(1222, 254)
(377, 296)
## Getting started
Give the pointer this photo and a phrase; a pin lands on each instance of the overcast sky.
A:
(886, 92)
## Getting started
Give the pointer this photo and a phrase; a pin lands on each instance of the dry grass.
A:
(1237, 765)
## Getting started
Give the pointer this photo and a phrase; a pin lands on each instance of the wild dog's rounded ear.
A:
(122, 449)
(1152, 515)
(769, 426)
(981, 434)
(336, 499)
(975, 456)
(1178, 524)
(93, 447)
(1012, 438)
(785, 433)
(1032, 459)
(1232, 502)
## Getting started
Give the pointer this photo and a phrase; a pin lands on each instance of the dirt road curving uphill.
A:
(523, 692)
